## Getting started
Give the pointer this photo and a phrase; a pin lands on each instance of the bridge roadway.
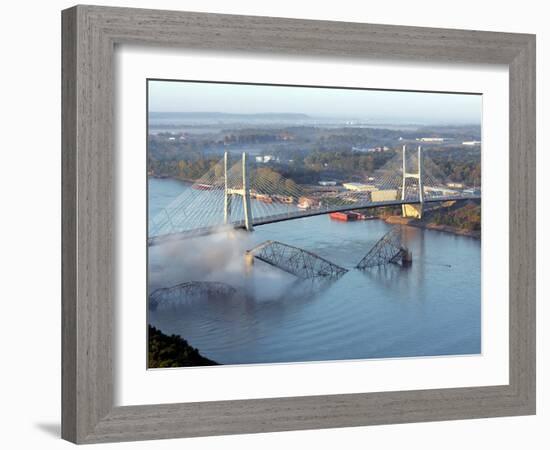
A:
(157, 240)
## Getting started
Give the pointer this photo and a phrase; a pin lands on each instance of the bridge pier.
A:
(412, 210)
(246, 197)
(248, 262)
(227, 197)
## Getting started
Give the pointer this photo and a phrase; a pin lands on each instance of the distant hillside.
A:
(226, 116)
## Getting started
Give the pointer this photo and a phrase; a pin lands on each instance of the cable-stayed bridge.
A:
(239, 196)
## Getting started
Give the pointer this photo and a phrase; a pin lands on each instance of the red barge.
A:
(348, 216)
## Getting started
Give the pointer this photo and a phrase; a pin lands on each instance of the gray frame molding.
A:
(89, 36)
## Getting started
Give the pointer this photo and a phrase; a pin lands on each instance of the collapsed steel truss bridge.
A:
(192, 290)
(307, 265)
(296, 261)
(388, 249)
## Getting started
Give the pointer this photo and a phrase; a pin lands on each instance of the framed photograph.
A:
(278, 224)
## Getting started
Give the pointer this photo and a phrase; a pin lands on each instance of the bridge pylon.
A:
(244, 192)
(413, 210)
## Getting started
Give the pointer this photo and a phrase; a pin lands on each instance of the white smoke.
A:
(217, 257)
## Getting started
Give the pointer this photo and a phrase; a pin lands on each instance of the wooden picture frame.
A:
(90, 34)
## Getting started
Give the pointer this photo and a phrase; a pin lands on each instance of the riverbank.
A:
(419, 223)
(170, 177)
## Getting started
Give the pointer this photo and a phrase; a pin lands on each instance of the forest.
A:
(308, 154)
(464, 217)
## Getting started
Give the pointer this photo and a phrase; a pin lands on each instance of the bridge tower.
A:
(244, 192)
(413, 210)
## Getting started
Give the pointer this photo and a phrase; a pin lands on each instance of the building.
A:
(371, 149)
(359, 187)
(384, 195)
(378, 149)
(265, 158)
(440, 190)
(327, 183)
(430, 139)
(455, 185)
(285, 136)
(307, 203)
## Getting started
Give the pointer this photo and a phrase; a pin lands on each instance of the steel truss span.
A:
(189, 291)
(296, 261)
(388, 249)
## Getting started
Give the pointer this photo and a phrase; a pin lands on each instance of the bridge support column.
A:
(413, 210)
(227, 195)
(420, 181)
(246, 198)
(248, 262)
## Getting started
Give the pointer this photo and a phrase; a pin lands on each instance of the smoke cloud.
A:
(218, 257)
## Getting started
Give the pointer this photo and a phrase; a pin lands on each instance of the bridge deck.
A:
(157, 240)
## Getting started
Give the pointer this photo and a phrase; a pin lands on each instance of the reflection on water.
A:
(431, 308)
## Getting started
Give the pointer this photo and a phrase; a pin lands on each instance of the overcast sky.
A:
(399, 106)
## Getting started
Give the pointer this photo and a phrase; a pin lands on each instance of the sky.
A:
(396, 106)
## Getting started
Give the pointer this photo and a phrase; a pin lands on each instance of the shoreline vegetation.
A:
(327, 154)
(459, 218)
(172, 351)
(418, 223)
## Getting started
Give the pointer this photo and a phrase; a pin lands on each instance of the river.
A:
(432, 308)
